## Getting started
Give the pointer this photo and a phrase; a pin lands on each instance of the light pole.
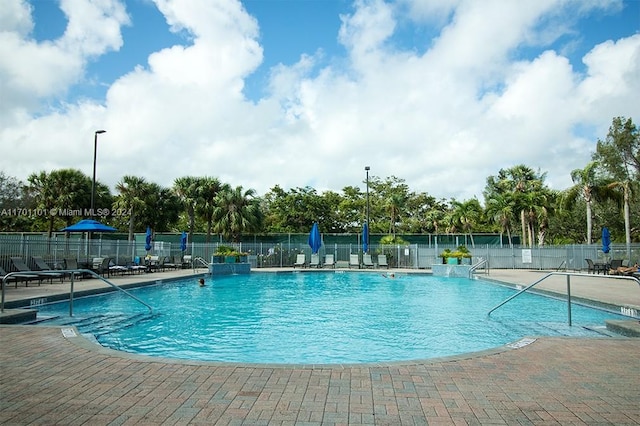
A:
(95, 153)
(367, 168)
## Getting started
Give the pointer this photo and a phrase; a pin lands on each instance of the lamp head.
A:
(367, 168)
(100, 131)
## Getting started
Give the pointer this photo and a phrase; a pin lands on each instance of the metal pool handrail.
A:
(72, 273)
(568, 275)
(477, 265)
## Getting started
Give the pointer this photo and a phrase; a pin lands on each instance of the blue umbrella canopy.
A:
(147, 241)
(365, 237)
(315, 241)
(606, 240)
(183, 241)
(89, 225)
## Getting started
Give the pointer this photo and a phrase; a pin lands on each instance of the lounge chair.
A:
(354, 260)
(301, 260)
(382, 261)
(613, 266)
(71, 264)
(43, 266)
(595, 268)
(329, 262)
(20, 266)
(315, 261)
(19, 277)
(170, 262)
(186, 261)
(366, 261)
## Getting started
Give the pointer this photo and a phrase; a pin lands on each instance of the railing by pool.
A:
(72, 273)
(568, 275)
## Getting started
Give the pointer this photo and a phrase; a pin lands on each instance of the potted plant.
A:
(460, 256)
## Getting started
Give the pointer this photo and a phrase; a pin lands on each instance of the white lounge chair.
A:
(382, 261)
(329, 262)
(315, 261)
(354, 260)
(301, 260)
(366, 261)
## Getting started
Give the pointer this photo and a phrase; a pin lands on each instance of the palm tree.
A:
(589, 186)
(236, 212)
(186, 188)
(395, 204)
(501, 209)
(207, 196)
(467, 214)
(132, 191)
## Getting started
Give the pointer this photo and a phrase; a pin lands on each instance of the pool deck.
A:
(49, 377)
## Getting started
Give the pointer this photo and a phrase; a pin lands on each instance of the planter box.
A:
(452, 260)
(229, 259)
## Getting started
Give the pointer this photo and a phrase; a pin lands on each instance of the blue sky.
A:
(322, 85)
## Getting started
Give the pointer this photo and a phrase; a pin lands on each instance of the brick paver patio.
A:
(49, 379)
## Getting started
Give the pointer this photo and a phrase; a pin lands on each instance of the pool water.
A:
(324, 317)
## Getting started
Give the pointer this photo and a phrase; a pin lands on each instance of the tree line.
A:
(517, 201)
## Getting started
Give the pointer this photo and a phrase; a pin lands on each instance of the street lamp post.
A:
(367, 168)
(95, 153)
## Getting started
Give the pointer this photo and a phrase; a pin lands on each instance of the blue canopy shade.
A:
(365, 237)
(606, 240)
(315, 241)
(183, 241)
(89, 225)
(147, 241)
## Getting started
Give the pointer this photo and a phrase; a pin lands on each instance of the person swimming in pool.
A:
(391, 275)
(201, 282)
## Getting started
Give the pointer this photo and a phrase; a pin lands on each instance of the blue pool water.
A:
(322, 318)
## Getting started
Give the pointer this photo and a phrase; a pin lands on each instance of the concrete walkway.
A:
(50, 376)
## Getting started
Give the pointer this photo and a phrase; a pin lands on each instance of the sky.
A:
(296, 93)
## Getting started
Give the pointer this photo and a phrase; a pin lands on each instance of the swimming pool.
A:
(322, 318)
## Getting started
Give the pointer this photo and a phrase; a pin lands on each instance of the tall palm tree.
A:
(589, 186)
(501, 210)
(395, 205)
(132, 195)
(186, 188)
(467, 214)
(237, 212)
(207, 196)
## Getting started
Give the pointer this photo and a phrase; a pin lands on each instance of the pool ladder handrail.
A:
(568, 275)
(72, 273)
(482, 262)
(201, 260)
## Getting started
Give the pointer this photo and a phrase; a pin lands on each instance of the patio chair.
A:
(71, 264)
(382, 261)
(329, 261)
(43, 266)
(366, 261)
(170, 262)
(186, 261)
(20, 266)
(354, 260)
(16, 278)
(595, 268)
(301, 260)
(315, 261)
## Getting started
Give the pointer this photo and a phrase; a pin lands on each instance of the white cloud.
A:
(443, 120)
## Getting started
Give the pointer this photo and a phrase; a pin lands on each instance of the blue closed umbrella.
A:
(365, 237)
(315, 241)
(89, 225)
(606, 240)
(147, 241)
(183, 241)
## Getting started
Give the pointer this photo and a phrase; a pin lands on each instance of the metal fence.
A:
(414, 256)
